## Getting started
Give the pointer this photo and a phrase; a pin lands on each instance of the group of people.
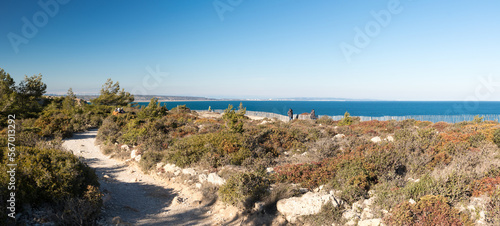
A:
(312, 115)
(119, 110)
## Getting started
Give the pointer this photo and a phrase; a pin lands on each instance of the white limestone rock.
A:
(376, 140)
(307, 204)
(189, 171)
(339, 136)
(215, 179)
(133, 154)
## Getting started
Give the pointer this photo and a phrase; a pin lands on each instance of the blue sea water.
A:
(355, 108)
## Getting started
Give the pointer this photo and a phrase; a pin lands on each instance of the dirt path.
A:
(140, 199)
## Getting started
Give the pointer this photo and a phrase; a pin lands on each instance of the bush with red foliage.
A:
(429, 210)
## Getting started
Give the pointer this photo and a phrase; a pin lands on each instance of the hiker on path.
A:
(290, 114)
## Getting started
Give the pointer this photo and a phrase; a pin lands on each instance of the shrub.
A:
(186, 151)
(496, 137)
(351, 173)
(457, 187)
(486, 185)
(110, 130)
(210, 147)
(149, 160)
(276, 139)
(278, 192)
(209, 192)
(478, 119)
(305, 174)
(347, 120)
(244, 189)
(234, 120)
(52, 176)
(425, 186)
(48, 175)
(314, 134)
(153, 110)
(493, 208)
(82, 210)
(429, 210)
(180, 109)
(373, 127)
(239, 156)
(329, 215)
(325, 120)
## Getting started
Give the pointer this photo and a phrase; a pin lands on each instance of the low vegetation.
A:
(418, 172)
(441, 163)
(244, 189)
(47, 176)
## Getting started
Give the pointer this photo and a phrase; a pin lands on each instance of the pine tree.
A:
(111, 95)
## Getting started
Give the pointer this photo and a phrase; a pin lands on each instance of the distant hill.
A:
(147, 98)
(141, 98)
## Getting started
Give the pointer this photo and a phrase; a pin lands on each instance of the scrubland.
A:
(414, 169)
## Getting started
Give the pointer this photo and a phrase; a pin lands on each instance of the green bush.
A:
(347, 120)
(475, 139)
(149, 160)
(496, 137)
(81, 210)
(51, 176)
(48, 175)
(478, 119)
(180, 109)
(234, 120)
(244, 189)
(189, 150)
(153, 110)
(425, 186)
(132, 132)
(111, 130)
(211, 147)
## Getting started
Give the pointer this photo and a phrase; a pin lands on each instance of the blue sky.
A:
(424, 50)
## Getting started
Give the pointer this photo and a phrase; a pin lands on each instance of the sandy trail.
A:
(135, 197)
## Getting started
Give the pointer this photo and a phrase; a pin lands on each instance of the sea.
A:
(355, 108)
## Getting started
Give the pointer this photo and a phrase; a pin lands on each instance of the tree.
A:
(478, 119)
(32, 87)
(30, 92)
(111, 95)
(347, 120)
(234, 120)
(22, 99)
(154, 109)
(7, 92)
(242, 110)
(69, 101)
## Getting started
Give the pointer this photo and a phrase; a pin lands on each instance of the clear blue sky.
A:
(427, 50)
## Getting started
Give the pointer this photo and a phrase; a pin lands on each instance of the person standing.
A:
(290, 114)
(313, 115)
